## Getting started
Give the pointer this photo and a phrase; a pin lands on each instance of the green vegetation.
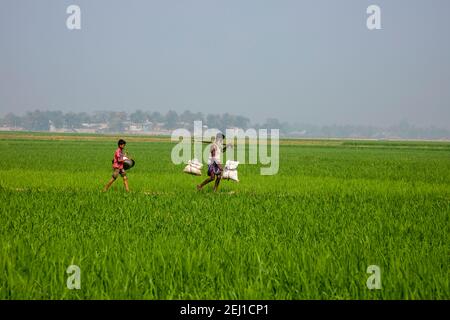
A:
(309, 232)
(144, 121)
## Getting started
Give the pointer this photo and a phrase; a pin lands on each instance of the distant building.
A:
(9, 128)
(52, 128)
(92, 128)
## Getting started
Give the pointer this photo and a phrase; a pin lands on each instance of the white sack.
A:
(194, 167)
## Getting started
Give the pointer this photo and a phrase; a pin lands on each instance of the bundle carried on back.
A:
(194, 167)
(230, 171)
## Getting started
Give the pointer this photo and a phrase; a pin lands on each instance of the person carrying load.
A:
(118, 166)
(214, 162)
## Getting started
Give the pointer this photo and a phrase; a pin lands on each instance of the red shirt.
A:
(118, 156)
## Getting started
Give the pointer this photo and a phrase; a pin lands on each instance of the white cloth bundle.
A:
(194, 167)
(230, 171)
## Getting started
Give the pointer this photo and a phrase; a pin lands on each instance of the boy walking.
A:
(118, 167)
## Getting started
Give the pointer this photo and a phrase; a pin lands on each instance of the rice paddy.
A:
(309, 232)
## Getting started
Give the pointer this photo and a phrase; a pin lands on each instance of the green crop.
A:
(309, 232)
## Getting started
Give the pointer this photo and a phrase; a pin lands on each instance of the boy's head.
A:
(121, 143)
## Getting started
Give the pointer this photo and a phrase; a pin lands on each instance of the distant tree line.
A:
(120, 121)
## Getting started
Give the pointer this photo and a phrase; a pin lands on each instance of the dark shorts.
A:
(116, 173)
(214, 168)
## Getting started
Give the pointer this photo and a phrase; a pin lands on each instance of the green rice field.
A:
(309, 232)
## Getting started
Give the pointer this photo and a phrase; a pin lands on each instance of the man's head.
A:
(121, 143)
(219, 137)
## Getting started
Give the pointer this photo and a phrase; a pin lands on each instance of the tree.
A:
(11, 120)
(138, 117)
(272, 123)
(116, 121)
(56, 117)
(100, 117)
(36, 121)
(242, 122)
(199, 117)
(213, 121)
(71, 120)
(156, 117)
(227, 121)
(171, 119)
(186, 117)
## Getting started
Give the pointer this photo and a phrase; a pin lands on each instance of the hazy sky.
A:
(302, 61)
